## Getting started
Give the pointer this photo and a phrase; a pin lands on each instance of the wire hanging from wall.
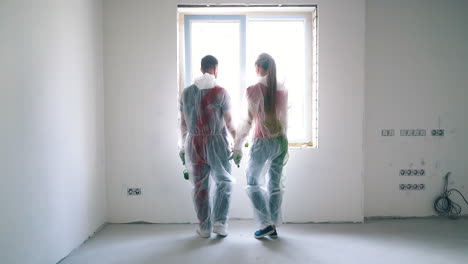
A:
(444, 206)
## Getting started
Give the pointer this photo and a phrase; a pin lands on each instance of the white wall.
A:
(416, 77)
(140, 62)
(51, 116)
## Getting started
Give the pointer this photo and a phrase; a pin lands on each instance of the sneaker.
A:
(203, 233)
(274, 234)
(220, 230)
(264, 232)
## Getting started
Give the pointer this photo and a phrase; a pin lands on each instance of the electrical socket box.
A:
(134, 191)
(413, 172)
(412, 132)
(420, 132)
(388, 132)
(437, 132)
(412, 187)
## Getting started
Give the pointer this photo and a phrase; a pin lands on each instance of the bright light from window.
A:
(222, 40)
(285, 41)
(237, 40)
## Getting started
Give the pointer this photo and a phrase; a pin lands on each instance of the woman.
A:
(267, 110)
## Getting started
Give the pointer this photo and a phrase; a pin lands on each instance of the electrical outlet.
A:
(409, 172)
(414, 186)
(437, 132)
(420, 132)
(133, 191)
(137, 191)
(388, 132)
(412, 132)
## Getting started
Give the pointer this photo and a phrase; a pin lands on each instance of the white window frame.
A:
(244, 15)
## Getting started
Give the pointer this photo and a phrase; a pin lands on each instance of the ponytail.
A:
(267, 63)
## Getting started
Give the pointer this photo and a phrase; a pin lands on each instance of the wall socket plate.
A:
(134, 191)
(437, 132)
(412, 187)
(388, 132)
(412, 172)
(412, 132)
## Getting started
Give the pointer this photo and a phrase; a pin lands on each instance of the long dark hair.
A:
(267, 63)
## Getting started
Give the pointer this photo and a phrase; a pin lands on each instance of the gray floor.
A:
(434, 240)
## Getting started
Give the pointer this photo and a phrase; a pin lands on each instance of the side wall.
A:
(51, 128)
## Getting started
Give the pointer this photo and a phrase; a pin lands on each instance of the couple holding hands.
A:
(205, 121)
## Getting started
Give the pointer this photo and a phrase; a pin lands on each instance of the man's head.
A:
(209, 64)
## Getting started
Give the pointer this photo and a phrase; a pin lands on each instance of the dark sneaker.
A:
(273, 235)
(264, 232)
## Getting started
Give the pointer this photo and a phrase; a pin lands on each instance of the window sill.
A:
(309, 145)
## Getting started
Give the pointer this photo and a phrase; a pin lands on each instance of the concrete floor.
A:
(433, 240)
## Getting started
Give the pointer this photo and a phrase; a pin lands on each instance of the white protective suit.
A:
(203, 107)
(268, 151)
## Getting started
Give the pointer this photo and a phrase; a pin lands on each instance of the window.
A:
(236, 35)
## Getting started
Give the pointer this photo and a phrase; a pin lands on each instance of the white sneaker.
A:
(220, 230)
(203, 233)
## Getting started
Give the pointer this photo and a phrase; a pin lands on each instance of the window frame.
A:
(187, 34)
(311, 52)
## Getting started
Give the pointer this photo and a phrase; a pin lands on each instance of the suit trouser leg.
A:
(275, 188)
(200, 177)
(256, 185)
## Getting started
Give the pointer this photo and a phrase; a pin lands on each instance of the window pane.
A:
(222, 40)
(285, 41)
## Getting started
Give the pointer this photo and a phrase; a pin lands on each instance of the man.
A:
(205, 116)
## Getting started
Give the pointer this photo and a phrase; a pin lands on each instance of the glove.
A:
(182, 156)
(237, 156)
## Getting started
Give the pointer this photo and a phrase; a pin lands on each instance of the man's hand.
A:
(237, 156)
(182, 156)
